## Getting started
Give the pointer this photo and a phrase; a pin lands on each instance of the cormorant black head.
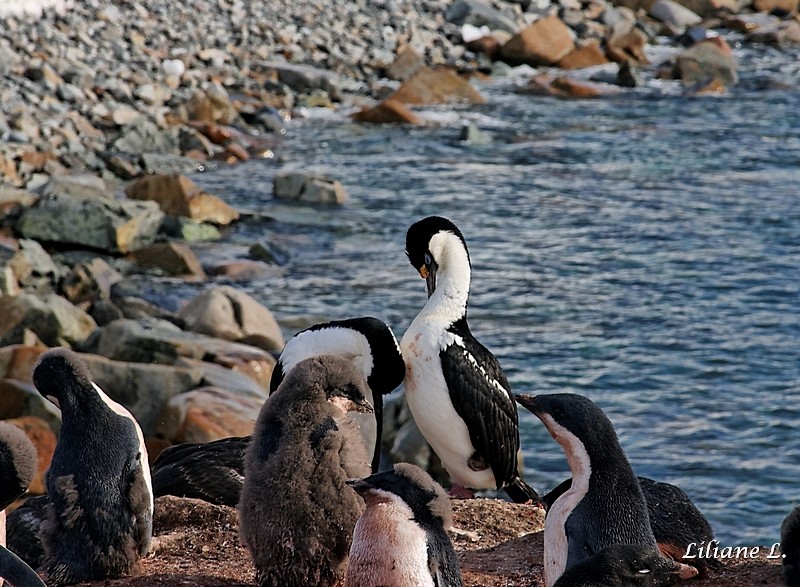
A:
(17, 463)
(415, 487)
(388, 367)
(626, 565)
(418, 246)
(62, 377)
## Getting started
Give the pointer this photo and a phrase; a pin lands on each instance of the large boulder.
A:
(116, 226)
(177, 195)
(207, 414)
(302, 187)
(545, 42)
(89, 281)
(478, 14)
(34, 268)
(388, 111)
(706, 63)
(225, 312)
(674, 15)
(158, 341)
(437, 86)
(144, 389)
(173, 258)
(19, 399)
(54, 320)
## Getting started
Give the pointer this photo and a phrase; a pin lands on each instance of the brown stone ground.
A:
(499, 545)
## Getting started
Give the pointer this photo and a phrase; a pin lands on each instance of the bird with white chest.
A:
(455, 387)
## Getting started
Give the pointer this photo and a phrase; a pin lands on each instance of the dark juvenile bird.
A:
(296, 514)
(213, 471)
(790, 547)
(625, 565)
(18, 466)
(100, 509)
(604, 504)
(675, 520)
(456, 391)
(401, 538)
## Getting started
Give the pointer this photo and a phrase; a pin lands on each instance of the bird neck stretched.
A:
(449, 300)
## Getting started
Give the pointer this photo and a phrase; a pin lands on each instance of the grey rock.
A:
(307, 188)
(303, 78)
(478, 14)
(472, 135)
(225, 312)
(142, 388)
(143, 136)
(22, 399)
(673, 14)
(168, 164)
(79, 186)
(189, 230)
(90, 280)
(34, 268)
(52, 318)
(98, 222)
(269, 251)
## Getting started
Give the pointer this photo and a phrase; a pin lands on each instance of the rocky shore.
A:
(108, 108)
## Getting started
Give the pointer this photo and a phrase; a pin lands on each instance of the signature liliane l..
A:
(712, 550)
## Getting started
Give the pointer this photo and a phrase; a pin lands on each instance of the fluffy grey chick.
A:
(296, 513)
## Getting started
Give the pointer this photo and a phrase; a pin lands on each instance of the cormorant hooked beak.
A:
(428, 273)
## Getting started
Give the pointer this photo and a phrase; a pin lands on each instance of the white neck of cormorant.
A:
(448, 302)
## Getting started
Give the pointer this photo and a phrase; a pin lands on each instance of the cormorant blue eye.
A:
(428, 259)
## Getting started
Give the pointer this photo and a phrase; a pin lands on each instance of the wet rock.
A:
(628, 46)
(243, 270)
(171, 258)
(301, 187)
(783, 34)
(704, 63)
(440, 86)
(52, 318)
(99, 222)
(478, 13)
(545, 42)
(225, 312)
(44, 439)
(269, 251)
(629, 76)
(142, 388)
(406, 64)
(303, 78)
(472, 135)
(207, 414)
(748, 23)
(488, 45)
(178, 195)
(189, 230)
(587, 55)
(389, 111)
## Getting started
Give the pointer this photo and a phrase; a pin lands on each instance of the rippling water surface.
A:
(642, 250)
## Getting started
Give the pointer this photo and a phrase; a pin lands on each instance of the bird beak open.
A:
(428, 273)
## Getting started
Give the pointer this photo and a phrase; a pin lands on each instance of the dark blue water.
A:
(642, 250)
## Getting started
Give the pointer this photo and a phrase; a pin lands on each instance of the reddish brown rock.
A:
(17, 361)
(781, 34)
(709, 7)
(440, 86)
(44, 439)
(545, 42)
(488, 45)
(211, 107)
(406, 64)
(389, 111)
(173, 258)
(585, 56)
(206, 414)
(178, 195)
(628, 47)
(770, 5)
(564, 87)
